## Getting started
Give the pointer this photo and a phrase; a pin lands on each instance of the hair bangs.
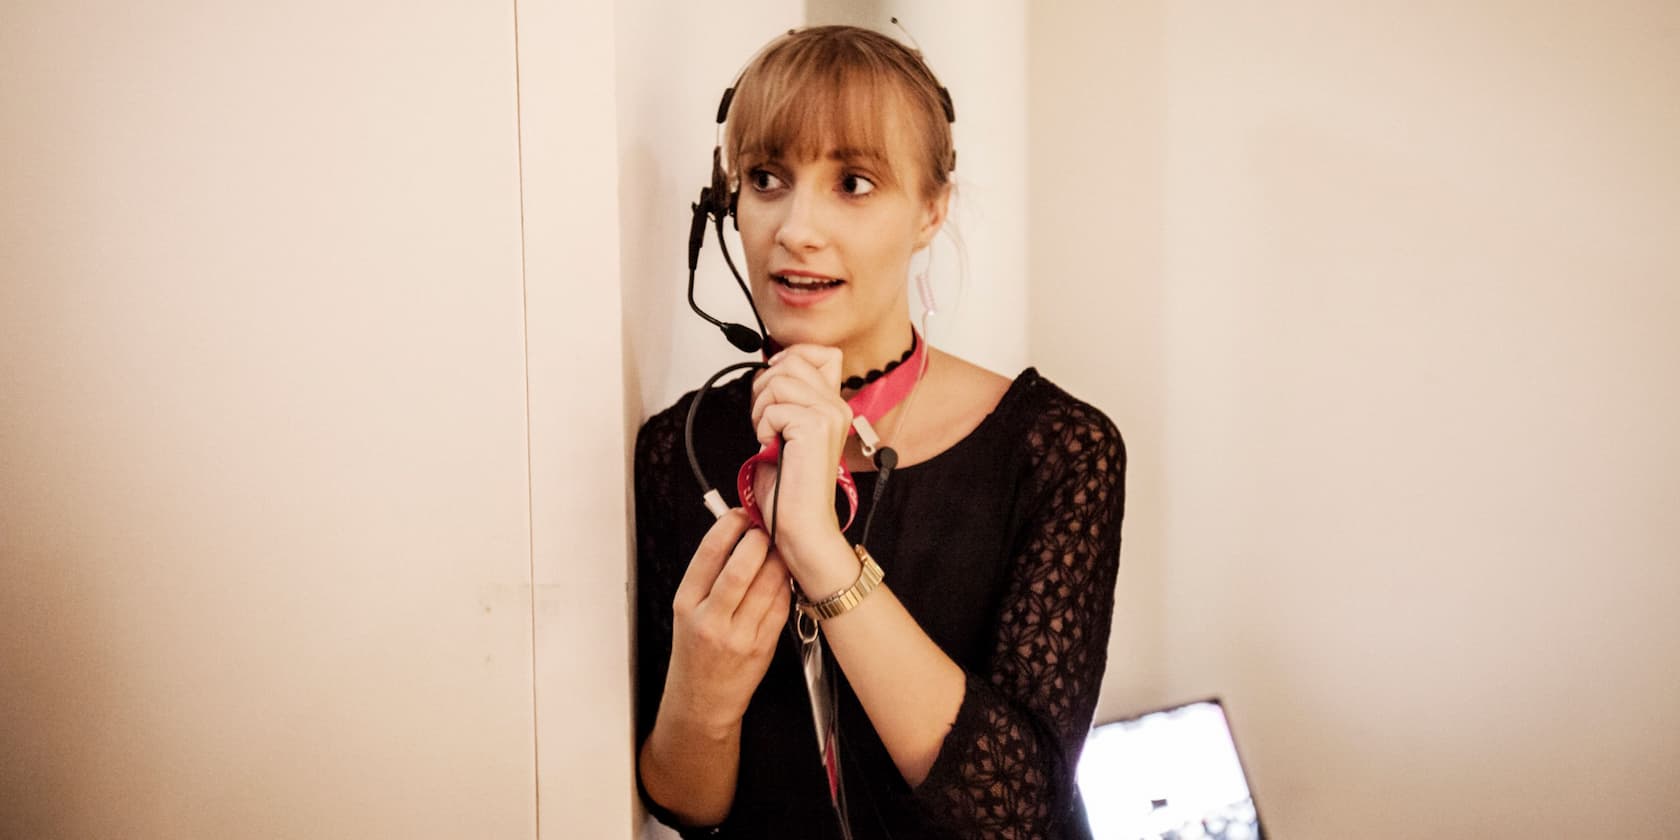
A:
(800, 104)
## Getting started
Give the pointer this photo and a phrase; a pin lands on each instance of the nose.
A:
(800, 229)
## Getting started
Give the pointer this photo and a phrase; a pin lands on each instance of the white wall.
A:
(267, 426)
(579, 494)
(1415, 312)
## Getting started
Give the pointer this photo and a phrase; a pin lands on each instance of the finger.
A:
(772, 578)
(825, 362)
(760, 384)
(802, 382)
(792, 367)
(775, 617)
(831, 366)
(787, 390)
(710, 557)
(805, 367)
(764, 486)
(828, 422)
(792, 422)
(738, 573)
(816, 354)
(773, 365)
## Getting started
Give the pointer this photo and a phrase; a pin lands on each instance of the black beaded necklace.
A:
(856, 382)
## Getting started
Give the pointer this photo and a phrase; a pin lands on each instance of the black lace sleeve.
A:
(659, 569)
(655, 542)
(1006, 769)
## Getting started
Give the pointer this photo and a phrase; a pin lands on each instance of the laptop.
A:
(1171, 774)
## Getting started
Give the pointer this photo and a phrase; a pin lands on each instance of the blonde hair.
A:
(828, 89)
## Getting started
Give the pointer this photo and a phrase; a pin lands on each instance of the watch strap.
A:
(842, 602)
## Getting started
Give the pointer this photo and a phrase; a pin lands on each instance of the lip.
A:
(792, 298)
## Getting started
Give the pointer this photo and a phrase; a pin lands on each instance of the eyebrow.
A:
(881, 169)
(856, 156)
(842, 155)
(847, 155)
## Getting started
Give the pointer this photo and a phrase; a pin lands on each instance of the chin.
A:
(790, 337)
(792, 331)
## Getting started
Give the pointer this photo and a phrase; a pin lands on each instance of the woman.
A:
(967, 679)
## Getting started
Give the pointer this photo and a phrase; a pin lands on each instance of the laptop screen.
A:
(1172, 773)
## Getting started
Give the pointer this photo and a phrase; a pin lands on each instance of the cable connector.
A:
(866, 434)
(715, 503)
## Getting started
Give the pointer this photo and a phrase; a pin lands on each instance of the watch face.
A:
(1170, 773)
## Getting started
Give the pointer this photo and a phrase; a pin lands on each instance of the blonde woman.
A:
(965, 679)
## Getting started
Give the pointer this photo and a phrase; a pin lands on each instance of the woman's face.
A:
(828, 243)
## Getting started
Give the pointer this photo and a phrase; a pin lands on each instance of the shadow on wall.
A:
(61, 673)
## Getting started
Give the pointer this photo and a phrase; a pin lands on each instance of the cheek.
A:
(890, 245)
(755, 231)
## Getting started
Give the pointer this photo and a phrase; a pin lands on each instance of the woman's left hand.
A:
(798, 397)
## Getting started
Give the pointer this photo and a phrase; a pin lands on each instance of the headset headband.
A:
(945, 102)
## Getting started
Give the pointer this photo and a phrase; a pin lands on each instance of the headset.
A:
(716, 203)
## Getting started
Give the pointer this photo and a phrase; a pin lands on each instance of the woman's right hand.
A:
(727, 615)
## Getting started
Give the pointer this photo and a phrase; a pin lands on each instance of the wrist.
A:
(689, 777)
(821, 565)
(687, 716)
(676, 727)
(844, 601)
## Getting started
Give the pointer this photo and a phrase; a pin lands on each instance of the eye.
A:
(763, 181)
(856, 185)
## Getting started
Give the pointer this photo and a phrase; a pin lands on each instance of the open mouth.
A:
(805, 284)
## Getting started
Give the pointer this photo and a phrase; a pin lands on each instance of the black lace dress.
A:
(1004, 548)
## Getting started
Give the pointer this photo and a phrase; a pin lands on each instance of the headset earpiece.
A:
(697, 228)
(722, 199)
(723, 104)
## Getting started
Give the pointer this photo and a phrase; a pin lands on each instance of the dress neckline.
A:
(1005, 407)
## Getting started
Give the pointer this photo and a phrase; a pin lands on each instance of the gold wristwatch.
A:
(843, 601)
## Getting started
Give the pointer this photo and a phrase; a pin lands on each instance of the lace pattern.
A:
(1006, 769)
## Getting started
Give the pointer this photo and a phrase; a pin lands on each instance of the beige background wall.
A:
(579, 494)
(1396, 290)
(274, 372)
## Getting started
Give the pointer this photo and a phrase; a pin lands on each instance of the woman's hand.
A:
(798, 397)
(727, 614)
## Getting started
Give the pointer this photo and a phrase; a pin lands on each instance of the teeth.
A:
(806, 282)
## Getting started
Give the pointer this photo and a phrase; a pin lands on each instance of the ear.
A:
(933, 217)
